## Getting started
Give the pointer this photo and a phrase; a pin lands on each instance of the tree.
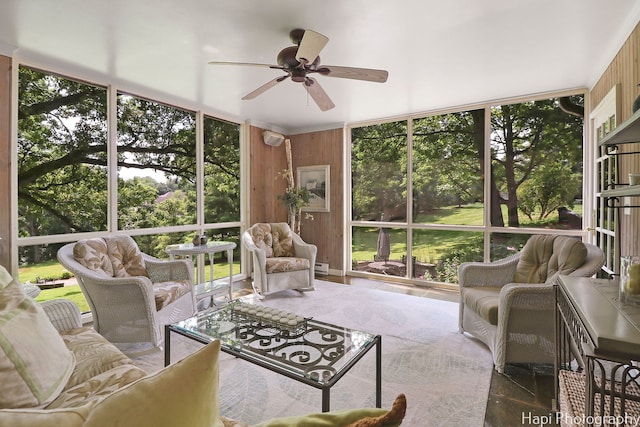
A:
(525, 136)
(62, 160)
(548, 188)
(379, 167)
(446, 164)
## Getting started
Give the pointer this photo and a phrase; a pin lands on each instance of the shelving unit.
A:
(627, 132)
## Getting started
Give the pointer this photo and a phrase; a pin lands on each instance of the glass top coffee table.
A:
(306, 350)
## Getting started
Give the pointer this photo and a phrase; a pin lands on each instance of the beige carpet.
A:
(445, 375)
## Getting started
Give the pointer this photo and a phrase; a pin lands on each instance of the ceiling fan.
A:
(301, 60)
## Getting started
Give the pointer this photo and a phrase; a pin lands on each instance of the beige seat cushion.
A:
(93, 353)
(115, 256)
(483, 300)
(125, 256)
(262, 238)
(35, 364)
(92, 253)
(282, 240)
(544, 257)
(67, 417)
(279, 265)
(167, 292)
(274, 239)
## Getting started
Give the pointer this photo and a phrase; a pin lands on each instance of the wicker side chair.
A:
(281, 259)
(132, 295)
(509, 304)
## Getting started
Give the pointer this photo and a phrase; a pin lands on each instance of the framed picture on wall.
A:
(316, 180)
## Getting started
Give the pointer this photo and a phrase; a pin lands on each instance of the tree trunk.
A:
(478, 136)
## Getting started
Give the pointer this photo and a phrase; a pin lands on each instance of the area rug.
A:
(445, 375)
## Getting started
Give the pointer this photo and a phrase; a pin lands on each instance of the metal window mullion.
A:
(112, 159)
(200, 168)
(409, 219)
(487, 184)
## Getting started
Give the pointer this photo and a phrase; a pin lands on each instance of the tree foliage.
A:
(530, 142)
(63, 155)
(379, 167)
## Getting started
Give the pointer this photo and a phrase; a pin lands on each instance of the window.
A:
(62, 157)
(156, 164)
(421, 186)
(170, 184)
(221, 171)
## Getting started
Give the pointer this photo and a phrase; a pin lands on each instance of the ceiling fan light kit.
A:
(302, 59)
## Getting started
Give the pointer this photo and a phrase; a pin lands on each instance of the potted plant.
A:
(294, 198)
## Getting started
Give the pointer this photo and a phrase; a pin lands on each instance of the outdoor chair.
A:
(509, 304)
(281, 259)
(132, 295)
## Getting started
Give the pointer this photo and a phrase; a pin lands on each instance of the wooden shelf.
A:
(625, 133)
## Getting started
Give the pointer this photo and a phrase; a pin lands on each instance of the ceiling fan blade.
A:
(251, 64)
(368, 74)
(318, 94)
(310, 46)
(265, 87)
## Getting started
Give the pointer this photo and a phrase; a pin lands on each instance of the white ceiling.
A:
(438, 53)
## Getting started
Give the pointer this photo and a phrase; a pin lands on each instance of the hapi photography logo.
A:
(564, 419)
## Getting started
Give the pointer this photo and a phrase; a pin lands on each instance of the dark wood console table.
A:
(597, 345)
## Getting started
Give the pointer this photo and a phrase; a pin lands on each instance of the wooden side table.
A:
(207, 289)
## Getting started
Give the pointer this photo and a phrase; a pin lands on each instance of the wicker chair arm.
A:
(64, 314)
(259, 259)
(164, 270)
(304, 249)
(496, 273)
(523, 296)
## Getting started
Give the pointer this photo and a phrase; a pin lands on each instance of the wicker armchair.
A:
(509, 304)
(281, 259)
(132, 295)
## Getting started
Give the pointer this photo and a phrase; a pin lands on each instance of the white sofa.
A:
(55, 372)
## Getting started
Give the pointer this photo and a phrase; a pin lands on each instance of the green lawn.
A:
(72, 293)
(47, 269)
(430, 245)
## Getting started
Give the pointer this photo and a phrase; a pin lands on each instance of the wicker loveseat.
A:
(509, 304)
(55, 372)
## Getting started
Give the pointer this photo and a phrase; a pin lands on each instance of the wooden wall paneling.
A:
(266, 163)
(326, 229)
(5, 156)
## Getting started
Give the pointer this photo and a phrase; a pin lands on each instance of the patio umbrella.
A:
(384, 244)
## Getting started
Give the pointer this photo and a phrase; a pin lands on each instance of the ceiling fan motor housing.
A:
(287, 57)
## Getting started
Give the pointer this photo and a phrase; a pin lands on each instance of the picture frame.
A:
(316, 179)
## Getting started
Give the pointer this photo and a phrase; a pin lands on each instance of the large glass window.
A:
(536, 165)
(221, 171)
(62, 156)
(379, 172)
(448, 154)
(533, 180)
(167, 185)
(156, 164)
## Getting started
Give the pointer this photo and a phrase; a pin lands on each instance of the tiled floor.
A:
(520, 397)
